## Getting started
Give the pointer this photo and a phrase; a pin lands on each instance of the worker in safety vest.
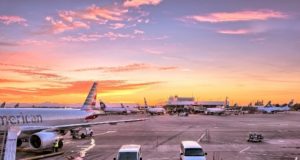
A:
(55, 146)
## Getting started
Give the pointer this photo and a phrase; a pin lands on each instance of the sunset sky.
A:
(52, 51)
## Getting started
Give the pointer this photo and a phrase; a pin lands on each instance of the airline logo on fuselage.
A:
(19, 119)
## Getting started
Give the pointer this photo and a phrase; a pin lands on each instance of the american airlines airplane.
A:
(43, 126)
(154, 110)
(269, 108)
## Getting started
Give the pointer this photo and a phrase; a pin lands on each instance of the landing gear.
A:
(60, 143)
(19, 142)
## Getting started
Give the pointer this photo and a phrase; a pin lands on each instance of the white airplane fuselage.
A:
(41, 117)
(156, 110)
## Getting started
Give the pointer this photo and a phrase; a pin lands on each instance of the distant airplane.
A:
(2, 105)
(269, 108)
(154, 110)
(132, 109)
(43, 126)
(114, 110)
(217, 110)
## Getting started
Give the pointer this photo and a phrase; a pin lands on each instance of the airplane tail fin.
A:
(268, 104)
(145, 101)
(291, 103)
(90, 101)
(2, 105)
(17, 105)
(102, 105)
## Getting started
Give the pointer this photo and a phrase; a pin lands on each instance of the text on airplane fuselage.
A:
(17, 119)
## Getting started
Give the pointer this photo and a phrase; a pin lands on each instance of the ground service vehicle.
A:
(129, 152)
(191, 150)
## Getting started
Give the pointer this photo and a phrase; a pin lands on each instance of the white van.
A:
(129, 152)
(191, 150)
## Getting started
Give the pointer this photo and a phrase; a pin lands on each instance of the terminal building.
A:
(175, 102)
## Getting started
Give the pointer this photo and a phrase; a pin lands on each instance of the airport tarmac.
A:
(222, 137)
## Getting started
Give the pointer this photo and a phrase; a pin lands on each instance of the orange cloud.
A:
(78, 87)
(128, 68)
(167, 68)
(237, 16)
(235, 32)
(9, 81)
(13, 19)
(137, 3)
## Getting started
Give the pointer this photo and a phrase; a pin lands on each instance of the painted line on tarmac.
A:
(201, 137)
(296, 158)
(245, 149)
(104, 133)
(85, 150)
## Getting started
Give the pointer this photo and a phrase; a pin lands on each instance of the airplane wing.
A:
(71, 126)
(11, 143)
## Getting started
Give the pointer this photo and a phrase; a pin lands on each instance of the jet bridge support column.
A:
(3, 135)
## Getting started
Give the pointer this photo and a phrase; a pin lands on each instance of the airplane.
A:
(217, 110)
(269, 108)
(154, 110)
(114, 110)
(43, 126)
(132, 109)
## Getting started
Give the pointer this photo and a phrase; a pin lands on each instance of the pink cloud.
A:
(117, 25)
(60, 26)
(35, 73)
(136, 31)
(237, 16)
(95, 37)
(94, 13)
(82, 38)
(13, 19)
(235, 32)
(137, 3)
(114, 36)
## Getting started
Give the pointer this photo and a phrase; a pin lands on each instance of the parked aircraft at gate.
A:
(269, 108)
(154, 110)
(43, 126)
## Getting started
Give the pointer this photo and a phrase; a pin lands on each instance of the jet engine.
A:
(44, 140)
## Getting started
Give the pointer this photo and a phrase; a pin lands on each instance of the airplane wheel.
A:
(91, 134)
(82, 136)
(19, 142)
